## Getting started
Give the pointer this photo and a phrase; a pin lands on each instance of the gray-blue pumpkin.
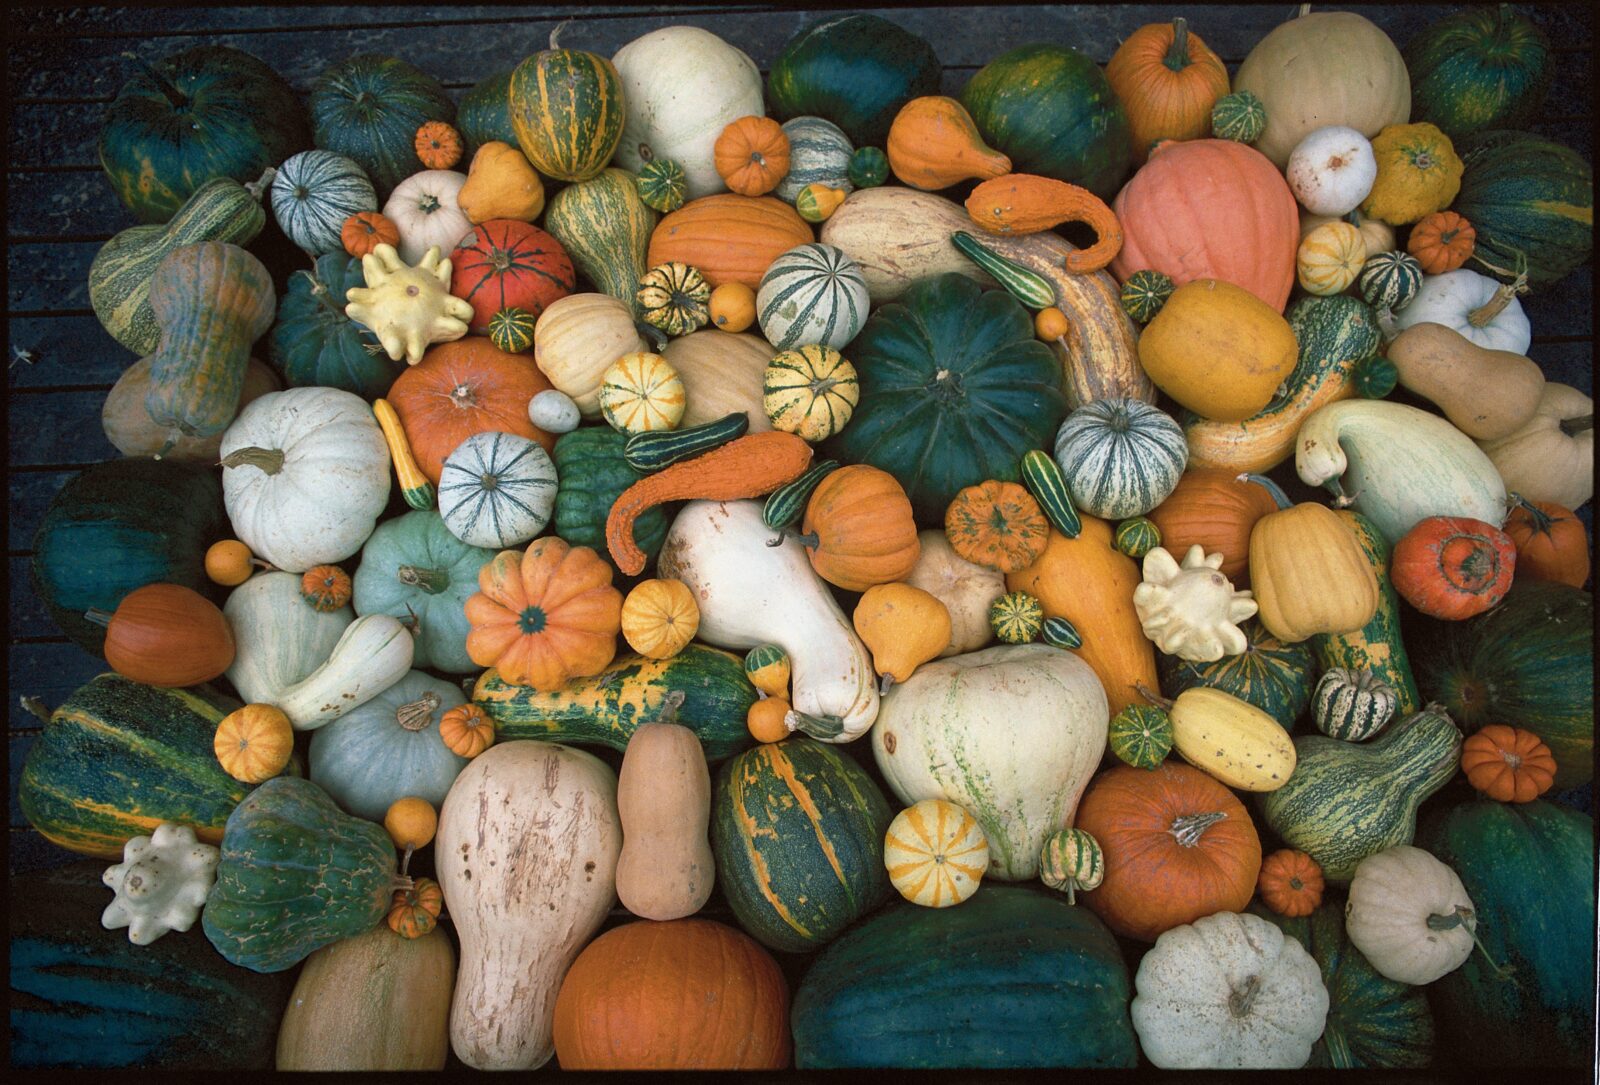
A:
(413, 565)
(312, 195)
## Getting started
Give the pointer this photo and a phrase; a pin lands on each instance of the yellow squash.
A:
(1231, 740)
(500, 185)
(904, 627)
(1309, 574)
(1218, 350)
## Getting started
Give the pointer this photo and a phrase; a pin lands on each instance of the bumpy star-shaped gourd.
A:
(161, 883)
(407, 308)
(1191, 610)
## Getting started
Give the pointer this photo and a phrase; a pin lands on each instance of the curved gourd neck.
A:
(258, 188)
(1273, 489)
(178, 99)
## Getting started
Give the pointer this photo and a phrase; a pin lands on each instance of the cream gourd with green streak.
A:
(279, 638)
(373, 654)
(1011, 734)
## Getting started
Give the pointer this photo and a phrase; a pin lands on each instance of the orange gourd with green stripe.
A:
(566, 107)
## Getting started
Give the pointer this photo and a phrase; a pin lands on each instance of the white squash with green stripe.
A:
(1120, 457)
(312, 195)
(497, 490)
(819, 153)
(1352, 705)
(812, 294)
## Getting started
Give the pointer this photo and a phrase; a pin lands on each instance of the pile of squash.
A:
(613, 458)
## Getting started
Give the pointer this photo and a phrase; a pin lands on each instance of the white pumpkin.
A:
(1409, 915)
(682, 86)
(423, 208)
(812, 294)
(577, 338)
(1011, 734)
(1332, 170)
(967, 590)
(278, 637)
(1551, 457)
(1228, 992)
(721, 373)
(497, 490)
(1471, 304)
(554, 411)
(305, 476)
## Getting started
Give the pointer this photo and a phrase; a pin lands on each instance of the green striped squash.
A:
(1060, 633)
(119, 758)
(1048, 486)
(1137, 537)
(1390, 280)
(1028, 287)
(797, 828)
(1141, 736)
(1344, 802)
(314, 192)
(1240, 116)
(1528, 195)
(1144, 294)
(592, 470)
(662, 185)
(1016, 618)
(1071, 860)
(655, 449)
(1375, 378)
(605, 227)
(1479, 67)
(1352, 705)
(869, 167)
(369, 108)
(811, 391)
(1269, 674)
(511, 330)
(1376, 646)
(1120, 457)
(812, 294)
(566, 108)
(819, 153)
(484, 115)
(785, 504)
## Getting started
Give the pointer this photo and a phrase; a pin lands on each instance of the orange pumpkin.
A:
(325, 587)
(1551, 543)
(752, 155)
(1508, 764)
(366, 230)
(544, 616)
(1441, 242)
(1215, 510)
(414, 912)
(1452, 567)
(1168, 81)
(767, 720)
(728, 237)
(466, 730)
(464, 388)
(438, 145)
(859, 529)
(166, 635)
(1290, 883)
(998, 525)
(1178, 845)
(687, 994)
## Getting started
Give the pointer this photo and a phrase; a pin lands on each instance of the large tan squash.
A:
(899, 235)
(1487, 394)
(129, 427)
(1218, 350)
(721, 373)
(966, 590)
(1309, 574)
(577, 338)
(666, 868)
(1550, 457)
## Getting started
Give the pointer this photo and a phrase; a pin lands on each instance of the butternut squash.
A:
(1488, 394)
(666, 869)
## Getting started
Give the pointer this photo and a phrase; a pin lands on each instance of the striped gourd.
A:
(819, 153)
(1376, 646)
(1375, 378)
(1016, 617)
(414, 485)
(1145, 292)
(662, 448)
(605, 228)
(566, 108)
(1269, 674)
(1072, 860)
(1389, 280)
(810, 392)
(1240, 116)
(936, 853)
(1330, 257)
(869, 167)
(816, 203)
(768, 667)
(1530, 195)
(511, 330)
(314, 192)
(497, 490)
(1352, 705)
(812, 294)
(1141, 736)
(1028, 287)
(641, 392)
(1060, 633)
(1136, 537)
(674, 298)
(1120, 457)
(785, 504)
(662, 185)
(1049, 487)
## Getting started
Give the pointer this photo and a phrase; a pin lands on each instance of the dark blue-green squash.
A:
(484, 116)
(854, 70)
(121, 525)
(1011, 978)
(316, 345)
(1529, 195)
(1477, 68)
(369, 108)
(954, 389)
(1274, 676)
(83, 997)
(206, 112)
(593, 473)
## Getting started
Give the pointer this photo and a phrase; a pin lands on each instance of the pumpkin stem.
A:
(884, 682)
(36, 706)
(669, 706)
(168, 445)
(1449, 922)
(462, 397)
(1268, 485)
(555, 35)
(1188, 829)
(97, 616)
(1574, 426)
(1153, 696)
(824, 728)
(401, 883)
(259, 186)
(419, 713)
(777, 540)
(432, 581)
(1177, 57)
(174, 95)
(319, 290)
(269, 461)
(1240, 1001)
(1541, 520)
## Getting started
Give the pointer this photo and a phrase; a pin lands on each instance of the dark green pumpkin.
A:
(1011, 978)
(869, 167)
(1528, 662)
(854, 70)
(1530, 195)
(206, 112)
(83, 997)
(297, 873)
(1050, 108)
(964, 411)
(593, 473)
(1274, 676)
(1529, 869)
(121, 525)
(368, 108)
(484, 116)
(566, 107)
(1478, 68)
(797, 828)
(316, 345)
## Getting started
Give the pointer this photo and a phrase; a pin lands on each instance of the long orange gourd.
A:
(1023, 203)
(748, 466)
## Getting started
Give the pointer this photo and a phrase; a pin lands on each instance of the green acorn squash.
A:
(566, 107)
(211, 111)
(1529, 195)
(316, 345)
(368, 108)
(1376, 646)
(605, 227)
(414, 565)
(484, 115)
(591, 474)
(1478, 68)
(1011, 978)
(855, 70)
(954, 389)
(1274, 676)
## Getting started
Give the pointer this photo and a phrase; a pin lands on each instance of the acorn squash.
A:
(1529, 195)
(1476, 68)
(368, 108)
(413, 568)
(1274, 676)
(855, 70)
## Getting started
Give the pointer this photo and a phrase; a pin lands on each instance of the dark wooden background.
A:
(63, 67)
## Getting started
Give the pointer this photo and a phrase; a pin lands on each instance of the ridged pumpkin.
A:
(1418, 174)
(504, 263)
(369, 108)
(1168, 80)
(730, 238)
(1551, 543)
(1508, 764)
(641, 393)
(253, 743)
(752, 155)
(858, 529)
(659, 618)
(1479, 67)
(1441, 242)
(936, 854)
(811, 391)
(997, 525)
(1290, 883)
(566, 108)
(1218, 349)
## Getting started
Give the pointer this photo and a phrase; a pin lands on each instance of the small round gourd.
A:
(511, 330)
(1375, 378)
(415, 912)
(1390, 280)
(1141, 736)
(997, 525)
(1138, 536)
(1016, 617)
(813, 293)
(768, 668)
(1352, 705)
(1050, 324)
(254, 743)
(1240, 116)
(497, 490)
(869, 167)
(674, 297)
(1145, 293)
(228, 563)
(642, 393)
(660, 618)
(810, 391)
(662, 185)
(1331, 170)
(325, 587)
(817, 202)
(411, 823)
(936, 853)
(1072, 860)
(1508, 764)
(1120, 457)
(438, 145)
(466, 730)
(554, 411)
(733, 307)
(767, 719)
(1290, 883)
(1060, 633)
(1330, 257)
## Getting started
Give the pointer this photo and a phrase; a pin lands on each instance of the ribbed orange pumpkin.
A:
(1290, 883)
(167, 635)
(1210, 209)
(859, 529)
(729, 238)
(1551, 543)
(687, 994)
(366, 230)
(752, 155)
(1508, 764)
(998, 525)
(1168, 80)
(1214, 509)
(1453, 567)
(1441, 242)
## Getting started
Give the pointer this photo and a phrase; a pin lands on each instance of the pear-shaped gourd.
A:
(903, 627)
(407, 308)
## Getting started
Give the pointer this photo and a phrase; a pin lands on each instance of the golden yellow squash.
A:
(1218, 350)
(1309, 574)
(904, 627)
(1418, 174)
(1231, 740)
(500, 185)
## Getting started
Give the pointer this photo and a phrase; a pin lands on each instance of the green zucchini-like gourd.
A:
(605, 227)
(1060, 633)
(592, 471)
(1269, 674)
(1044, 480)
(1352, 705)
(785, 504)
(655, 449)
(1377, 646)
(1028, 287)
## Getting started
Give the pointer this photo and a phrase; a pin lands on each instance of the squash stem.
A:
(669, 706)
(97, 616)
(1492, 308)
(260, 185)
(36, 706)
(1541, 520)
(405, 861)
(1188, 830)
(1268, 485)
(884, 682)
(402, 883)
(174, 95)
(1240, 1001)
(319, 290)
(824, 728)
(809, 541)
(1177, 57)
(419, 713)
(269, 461)
(1574, 426)
(1153, 696)
(432, 581)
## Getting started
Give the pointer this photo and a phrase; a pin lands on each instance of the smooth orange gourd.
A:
(1168, 80)
(859, 529)
(1022, 203)
(752, 155)
(167, 635)
(934, 143)
(1215, 510)
(728, 237)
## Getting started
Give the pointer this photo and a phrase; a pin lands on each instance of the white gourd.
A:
(497, 490)
(554, 412)
(1409, 915)
(1191, 610)
(278, 637)
(1470, 303)
(819, 153)
(966, 589)
(812, 294)
(374, 653)
(407, 307)
(899, 235)
(721, 373)
(423, 208)
(161, 883)
(1331, 170)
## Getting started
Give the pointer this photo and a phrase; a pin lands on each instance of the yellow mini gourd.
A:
(1418, 174)
(904, 627)
(936, 853)
(229, 563)
(253, 743)
(733, 307)
(501, 185)
(1330, 258)
(768, 667)
(660, 618)
(767, 719)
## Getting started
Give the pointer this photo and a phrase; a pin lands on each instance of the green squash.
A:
(121, 525)
(854, 70)
(1011, 978)
(1477, 68)
(1274, 676)
(592, 472)
(86, 998)
(296, 874)
(368, 108)
(210, 111)
(566, 108)
(1050, 108)
(413, 565)
(605, 227)
(797, 828)
(954, 389)
(1529, 195)
(1529, 869)
(316, 345)
(1373, 1022)
(869, 167)
(1376, 646)
(484, 115)
(1528, 662)
(118, 758)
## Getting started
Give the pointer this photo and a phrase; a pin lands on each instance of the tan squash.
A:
(1309, 574)
(501, 185)
(966, 590)
(666, 869)
(721, 373)
(1218, 350)
(1551, 456)
(904, 627)
(899, 235)
(131, 430)
(1488, 394)
(578, 338)
(1378, 235)
(934, 143)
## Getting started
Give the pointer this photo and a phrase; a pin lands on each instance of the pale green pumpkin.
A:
(413, 565)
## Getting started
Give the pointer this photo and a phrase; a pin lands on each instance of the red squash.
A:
(167, 635)
(1551, 543)
(1452, 567)
(505, 264)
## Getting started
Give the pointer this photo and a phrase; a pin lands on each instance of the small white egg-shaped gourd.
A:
(554, 412)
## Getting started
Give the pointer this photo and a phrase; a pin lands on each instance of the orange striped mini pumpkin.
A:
(936, 853)
(1330, 258)
(998, 525)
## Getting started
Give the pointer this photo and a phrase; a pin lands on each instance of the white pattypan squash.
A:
(1191, 610)
(407, 308)
(161, 883)
(1409, 915)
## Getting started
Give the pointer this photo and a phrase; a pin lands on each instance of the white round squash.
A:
(812, 294)
(721, 373)
(1409, 915)
(967, 590)
(1453, 299)
(577, 338)
(497, 490)
(1121, 457)
(423, 208)
(1332, 170)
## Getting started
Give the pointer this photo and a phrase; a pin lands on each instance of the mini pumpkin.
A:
(998, 525)
(325, 587)
(1453, 567)
(674, 297)
(1330, 258)
(1072, 860)
(660, 618)
(1240, 116)
(414, 912)
(1141, 736)
(1551, 543)
(466, 730)
(936, 853)
(1441, 242)
(1016, 617)
(733, 307)
(1290, 883)
(366, 230)
(752, 155)
(254, 743)
(1137, 537)
(438, 145)
(859, 529)
(1508, 764)
(642, 393)
(810, 391)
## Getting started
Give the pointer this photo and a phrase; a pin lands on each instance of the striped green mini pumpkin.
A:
(1049, 487)
(662, 185)
(1138, 536)
(1141, 736)
(812, 294)
(1120, 457)
(1352, 705)
(819, 153)
(1060, 633)
(810, 392)
(511, 330)
(1375, 378)
(312, 195)
(1240, 116)
(1145, 293)
(1016, 617)
(1390, 280)
(869, 167)
(1072, 860)
(675, 298)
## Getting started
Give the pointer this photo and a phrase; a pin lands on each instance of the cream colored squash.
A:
(577, 338)
(1011, 734)
(967, 590)
(1331, 170)
(1231, 740)
(1190, 610)
(423, 208)
(1409, 915)
(1475, 305)
(899, 235)
(1551, 456)
(278, 637)
(1379, 236)
(721, 373)
(1485, 393)
(372, 654)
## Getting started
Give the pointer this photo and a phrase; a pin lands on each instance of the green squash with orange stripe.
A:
(567, 110)
(798, 827)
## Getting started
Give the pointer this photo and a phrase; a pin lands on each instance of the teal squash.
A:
(854, 70)
(1375, 378)
(1529, 869)
(1239, 116)
(1529, 195)
(593, 471)
(1373, 1022)
(206, 112)
(86, 998)
(296, 874)
(1529, 662)
(316, 345)
(954, 389)
(1011, 978)
(819, 153)
(484, 115)
(369, 108)
(1477, 68)
(121, 525)
(314, 192)
(1274, 676)
(413, 568)
(869, 167)
(1051, 110)
(797, 828)
(118, 758)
